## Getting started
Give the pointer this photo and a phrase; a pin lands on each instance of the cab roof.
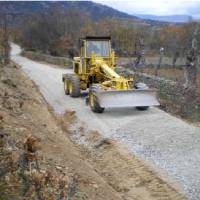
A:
(97, 38)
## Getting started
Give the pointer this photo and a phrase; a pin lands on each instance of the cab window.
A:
(99, 48)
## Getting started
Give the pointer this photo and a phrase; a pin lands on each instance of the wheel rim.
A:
(70, 87)
(92, 100)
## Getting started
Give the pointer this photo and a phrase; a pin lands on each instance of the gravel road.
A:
(168, 143)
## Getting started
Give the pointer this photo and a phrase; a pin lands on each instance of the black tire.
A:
(66, 86)
(93, 101)
(74, 86)
(142, 108)
(141, 86)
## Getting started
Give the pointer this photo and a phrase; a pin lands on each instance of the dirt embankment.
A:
(40, 161)
(63, 172)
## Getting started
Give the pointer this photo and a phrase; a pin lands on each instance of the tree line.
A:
(56, 32)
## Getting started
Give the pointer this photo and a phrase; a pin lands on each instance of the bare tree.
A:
(161, 53)
(190, 70)
(140, 59)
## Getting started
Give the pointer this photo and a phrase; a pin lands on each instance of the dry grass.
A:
(172, 74)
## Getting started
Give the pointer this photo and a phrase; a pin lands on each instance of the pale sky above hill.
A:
(156, 7)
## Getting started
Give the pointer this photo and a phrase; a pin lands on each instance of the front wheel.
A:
(94, 105)
(74, 86)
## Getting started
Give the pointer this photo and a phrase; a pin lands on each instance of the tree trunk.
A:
(192, 62)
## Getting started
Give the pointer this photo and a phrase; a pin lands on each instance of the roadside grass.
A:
(172, 74)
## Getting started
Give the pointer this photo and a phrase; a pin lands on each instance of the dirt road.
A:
(168, 143)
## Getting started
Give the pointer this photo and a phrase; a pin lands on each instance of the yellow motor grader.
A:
(95, 70)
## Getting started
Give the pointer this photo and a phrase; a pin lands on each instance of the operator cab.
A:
(100, 46)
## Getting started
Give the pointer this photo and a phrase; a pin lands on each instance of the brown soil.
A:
(98, 169)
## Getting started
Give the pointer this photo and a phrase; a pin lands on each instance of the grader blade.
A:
(127, 98)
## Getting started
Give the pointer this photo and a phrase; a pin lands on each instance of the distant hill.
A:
(170, 18)
(95, 10)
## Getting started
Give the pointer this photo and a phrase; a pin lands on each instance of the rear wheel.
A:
(141, 86)
(93, 101)
(74, 86)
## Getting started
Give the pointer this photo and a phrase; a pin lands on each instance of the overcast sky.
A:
(156, 7)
